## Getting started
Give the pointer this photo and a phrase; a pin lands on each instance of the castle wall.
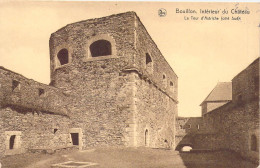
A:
(156, 114)
(235, 125)
(237, 122)
(102, 102)
(144, 44)
(246, 84)
(32, 130)
(156, 93)
(18, 91)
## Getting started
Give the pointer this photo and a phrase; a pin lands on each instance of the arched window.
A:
(149, 63)
(100, 48)
(63, 56)
(253, 143)
(146, 138)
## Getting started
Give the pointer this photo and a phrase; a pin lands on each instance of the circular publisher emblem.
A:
(162, 12)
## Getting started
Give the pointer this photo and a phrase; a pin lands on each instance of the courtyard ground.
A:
(129, 158)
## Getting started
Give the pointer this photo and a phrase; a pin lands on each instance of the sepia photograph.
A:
(141, 84)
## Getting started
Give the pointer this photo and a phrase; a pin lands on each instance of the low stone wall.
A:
(21, 131)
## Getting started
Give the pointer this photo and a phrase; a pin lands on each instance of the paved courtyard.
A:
(129, 158)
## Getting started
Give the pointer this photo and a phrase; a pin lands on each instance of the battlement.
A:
(26, 94)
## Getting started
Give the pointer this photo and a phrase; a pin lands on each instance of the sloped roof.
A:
(222, 92)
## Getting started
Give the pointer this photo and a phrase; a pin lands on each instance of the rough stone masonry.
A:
(110, 86)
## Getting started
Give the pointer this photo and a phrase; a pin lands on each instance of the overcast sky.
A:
(202, 53)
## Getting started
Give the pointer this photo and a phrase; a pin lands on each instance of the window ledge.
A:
(61, 66)
(100, 58)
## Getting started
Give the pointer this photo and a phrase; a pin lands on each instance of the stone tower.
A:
(122, 87)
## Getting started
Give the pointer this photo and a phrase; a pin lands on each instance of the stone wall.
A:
(18, 91)
(32, 130)
(236, 122)
(246, 84)
(160, 67)
(156, 94)
(156, 114)
(77, 37)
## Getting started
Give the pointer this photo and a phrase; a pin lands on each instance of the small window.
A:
(171, 86)
(164, 81)
(146, 137)
(63, 56)
(15, 85)
(41, 92)
(55, 130)
(149, 63)
(189, 126)
(11, 142)
(100, 48)
(253, 143)
(181, 127)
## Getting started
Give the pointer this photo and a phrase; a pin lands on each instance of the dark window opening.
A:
(146, 137)
(148, 59)
(63, 56)
(171, 86)
(75, 138)
(253, 143)
(55, 130)
(15, 85)
(181, 127)
(100, 48)
(189, 126)
(163, 76)
(11, 142)
(164, 80)
(41, 92)
(149, 63)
